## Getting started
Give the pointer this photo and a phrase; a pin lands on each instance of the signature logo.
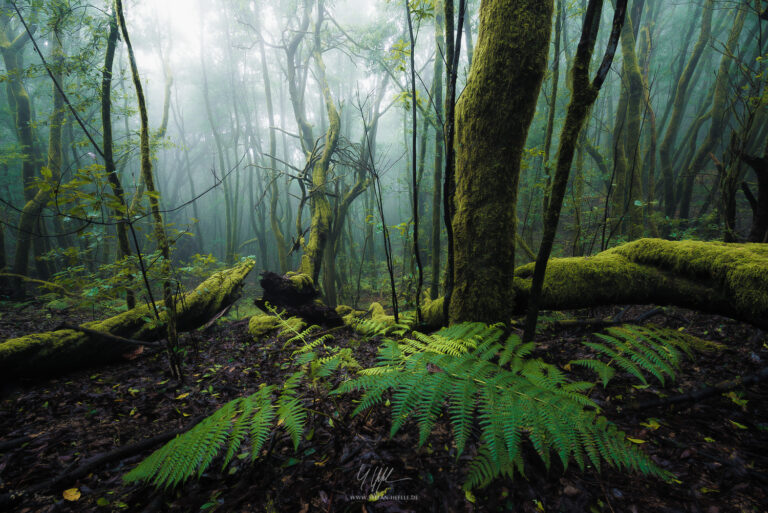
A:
(372, 478)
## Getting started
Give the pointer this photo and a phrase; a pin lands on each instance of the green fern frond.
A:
(604, 371)
(191, 453)
(641, 351)
(379, 328)
(534, 401)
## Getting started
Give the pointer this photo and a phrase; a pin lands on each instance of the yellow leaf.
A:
(469, 496)
(378, 495)
(740, 426)
(72, 494)
(636, 440)
(709, 439)
(182, 396)
(652, 424)
(567, 366)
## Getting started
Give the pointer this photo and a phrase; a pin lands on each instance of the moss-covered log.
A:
(295, 295)
(60, 351)
(712, 277)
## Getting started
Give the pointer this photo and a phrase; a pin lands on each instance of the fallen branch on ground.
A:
(703, 393)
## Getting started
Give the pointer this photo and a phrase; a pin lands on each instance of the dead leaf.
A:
(71, 494)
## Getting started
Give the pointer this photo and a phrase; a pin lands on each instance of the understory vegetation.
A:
(401, 255)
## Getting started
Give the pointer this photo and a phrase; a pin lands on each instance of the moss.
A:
(740, 271)
(64, 350)
(492, 120)
(261, 325)
(349, 314)
(432, 313)
(713, 277)
(295, 324)
(303, 282)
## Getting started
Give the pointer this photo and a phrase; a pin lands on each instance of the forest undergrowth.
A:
(716, 448)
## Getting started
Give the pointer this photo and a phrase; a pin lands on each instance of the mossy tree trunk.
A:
(320, 208)
(583, 96)
(631, 193)
(437, 183)
(30, 226)
(169, 299)
(710, 277)
(492, 120)
(56, 352)
(11, 48)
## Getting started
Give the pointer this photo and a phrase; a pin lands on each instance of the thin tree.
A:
(583, 96)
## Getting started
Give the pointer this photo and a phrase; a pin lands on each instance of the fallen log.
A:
(64, 350)
(296, 295)
(711, 277)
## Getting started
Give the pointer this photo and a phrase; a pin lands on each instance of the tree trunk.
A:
(437, 183)
(679, 103)
(583, 96)
(719, 114)
(163, 245)
(42, 354)
(503, 85)
(109, 162)
(320, 207)
(711, 277)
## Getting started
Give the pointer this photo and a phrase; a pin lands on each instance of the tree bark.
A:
(492, 121)
(42, 354)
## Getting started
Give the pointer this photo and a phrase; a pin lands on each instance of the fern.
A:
(247, 418)
(641, 351)
(191, 453)
(379, 327)
(489, 381)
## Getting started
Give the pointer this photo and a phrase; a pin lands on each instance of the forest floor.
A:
(717, 448)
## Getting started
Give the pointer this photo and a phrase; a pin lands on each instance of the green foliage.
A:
(190, 454)
(379, 327)
(493, 383)
(641, 351)
(247, 418)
